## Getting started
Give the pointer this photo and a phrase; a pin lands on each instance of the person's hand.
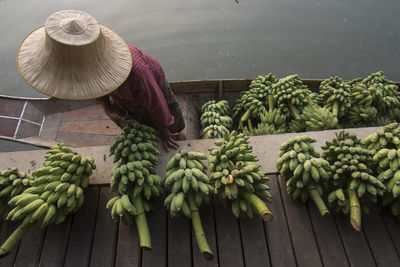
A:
(119, 120)
(167, 138)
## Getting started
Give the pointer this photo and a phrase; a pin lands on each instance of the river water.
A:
(211, 39)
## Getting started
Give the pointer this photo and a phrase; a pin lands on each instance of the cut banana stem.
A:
(335, 109)
(14, 239)
(259, 205)
(318, 200)
(250, 124)
(295, 112)
(141, 224)
(355, 210)
(271, 104)
(198, 229)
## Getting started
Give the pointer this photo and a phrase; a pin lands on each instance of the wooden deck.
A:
(298, 236)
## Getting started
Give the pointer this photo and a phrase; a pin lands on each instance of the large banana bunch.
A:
(12, 183)
(189, 187)
(131, 177)
(221, 107)
(136, 142)
(272, 122)
(215, 131)
(305, 172)
(215, 119)
(361, 110)
(295, 126)
(253, 102)
(335, 95)
(317, 118)
(353, 183)
(289, 95)
(387, 137)
(237, 176)
(56, 192)
(386, 96)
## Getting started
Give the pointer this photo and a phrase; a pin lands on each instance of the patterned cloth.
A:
(146, 95)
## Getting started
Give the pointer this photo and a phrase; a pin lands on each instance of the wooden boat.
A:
(46, 121)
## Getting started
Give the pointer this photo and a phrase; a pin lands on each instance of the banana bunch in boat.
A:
(221, 107)
(295, 126)
(289, 95)
(253, 102)
(214, 131)
(386, 96)
(189, 187)
(387, 137)
(136, 142)
(12, 183)
(335, 95)
(317, 118)
(237, 176)
(353, 184)
(272, 122)
(214, 118)
(361, 110)
(305, 172)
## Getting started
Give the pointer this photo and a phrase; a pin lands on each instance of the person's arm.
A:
(109, 110)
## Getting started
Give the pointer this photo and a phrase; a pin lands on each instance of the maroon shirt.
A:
(143, 88)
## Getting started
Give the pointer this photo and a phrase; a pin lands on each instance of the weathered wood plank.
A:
(354, 242)
(207, 220)
(328, 238)
(55, 244)
(228, 236)
(157, 221)
(128, 249)
(304, 243)
(30, 248)
(379, 239)
(278, 236)
(393, 227)
(105, 235)
(82, 230)
(254, 245)
(179, 241)
(7, 228)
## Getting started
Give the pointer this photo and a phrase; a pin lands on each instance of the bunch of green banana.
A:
(189, 187)
(305, 172)
(317, 118)
(353, 183)
(55, 192)
(386, 96)
(387, 137)
(253, 102)
(221, 107)
(289, 95)
(214, 118)
(361, 110)
(295, 126)
(136, 142)
(272, 122)
(335, 95)
(237, 176)
(132, 178)
(214, 131)
(12, 183)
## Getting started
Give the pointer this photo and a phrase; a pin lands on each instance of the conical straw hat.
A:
(74, 57)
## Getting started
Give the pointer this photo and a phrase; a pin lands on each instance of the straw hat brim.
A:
(74, 72)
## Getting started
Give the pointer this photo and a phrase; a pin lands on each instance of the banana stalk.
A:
(259, 205)
(335, 109)
(198, 229)
(355, 210)
(141, 224)
(317, 200)
(14, 239)
(294, 111)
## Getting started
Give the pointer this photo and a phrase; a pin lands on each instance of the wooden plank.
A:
(30, 248)
(393, 228)
(207, 220)
(55, 244)
(304, 243)
(277, 232)
(228, 237)
(7, 228)
(379, 239)
(82, 231)
(128, 249)
(179, 241)
(328, 238)
(105, 235)
(254, 244)
(355, 243)
(157, 221)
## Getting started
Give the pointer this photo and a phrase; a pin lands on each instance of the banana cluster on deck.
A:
(215, 119)
(335, 94)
